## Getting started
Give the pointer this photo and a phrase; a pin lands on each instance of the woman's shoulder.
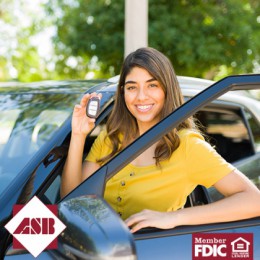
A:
(101, 138)
(105, 139)
(103, 133)
(190, 134)
(193, 139)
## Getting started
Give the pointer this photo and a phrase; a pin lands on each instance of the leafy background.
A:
(82, 39)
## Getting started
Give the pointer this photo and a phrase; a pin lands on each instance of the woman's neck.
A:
(143, 127)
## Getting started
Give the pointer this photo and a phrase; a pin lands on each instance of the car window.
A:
(255, 128)
(226, 131)
(45, 127)
(7, 121)
(27, 122)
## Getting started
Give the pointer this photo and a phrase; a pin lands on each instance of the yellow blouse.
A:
(162, 189)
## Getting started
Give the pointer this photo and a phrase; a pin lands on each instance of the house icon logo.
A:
(240, 247)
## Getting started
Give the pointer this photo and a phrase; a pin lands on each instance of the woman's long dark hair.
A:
(121, 121)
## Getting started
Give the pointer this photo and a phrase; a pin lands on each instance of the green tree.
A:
(205, 38)
(19, 57)
(92, 32)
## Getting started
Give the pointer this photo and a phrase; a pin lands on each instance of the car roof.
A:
(50, 86)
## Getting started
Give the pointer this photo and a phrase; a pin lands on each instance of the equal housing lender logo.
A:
(222, 246)
(34, 226)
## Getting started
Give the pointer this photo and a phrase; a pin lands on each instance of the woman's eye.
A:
(130, 87)
(153, 85)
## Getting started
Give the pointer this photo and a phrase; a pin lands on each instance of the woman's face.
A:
(144, 97)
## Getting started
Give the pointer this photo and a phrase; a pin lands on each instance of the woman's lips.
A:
(144, 108)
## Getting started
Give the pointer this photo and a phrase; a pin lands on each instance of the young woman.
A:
(152, 189)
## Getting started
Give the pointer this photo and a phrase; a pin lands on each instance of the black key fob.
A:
(92, 109)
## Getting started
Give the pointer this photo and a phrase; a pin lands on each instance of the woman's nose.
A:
(142, 93)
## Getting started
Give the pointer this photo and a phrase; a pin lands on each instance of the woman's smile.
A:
(144, 108)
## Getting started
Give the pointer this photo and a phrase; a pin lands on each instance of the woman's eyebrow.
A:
(130, 82)
(150, 80)
(134, 82)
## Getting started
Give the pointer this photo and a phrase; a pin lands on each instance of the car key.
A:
(93, 106)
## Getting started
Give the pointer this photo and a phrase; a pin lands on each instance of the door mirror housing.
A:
(93, 230)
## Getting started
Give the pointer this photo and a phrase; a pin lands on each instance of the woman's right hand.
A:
(81, 124)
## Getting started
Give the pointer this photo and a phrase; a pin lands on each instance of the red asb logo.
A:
(222, 246)
(35, 226)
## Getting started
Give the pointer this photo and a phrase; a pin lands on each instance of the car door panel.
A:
(179, 246)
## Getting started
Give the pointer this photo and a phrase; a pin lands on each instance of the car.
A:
(35, 120)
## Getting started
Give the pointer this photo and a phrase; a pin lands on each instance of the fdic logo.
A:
(222, 246)
(34, 226)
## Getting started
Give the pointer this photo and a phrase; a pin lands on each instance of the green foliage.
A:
(20, 59)
(90, 31)
(203, 38)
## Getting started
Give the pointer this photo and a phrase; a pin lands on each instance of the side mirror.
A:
(93, 230)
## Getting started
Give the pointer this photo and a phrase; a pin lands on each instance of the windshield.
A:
(27, 122)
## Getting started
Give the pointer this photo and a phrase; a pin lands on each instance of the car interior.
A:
(227, 131)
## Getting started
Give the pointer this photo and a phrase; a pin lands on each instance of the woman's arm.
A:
(73, 172)
(242, 201)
